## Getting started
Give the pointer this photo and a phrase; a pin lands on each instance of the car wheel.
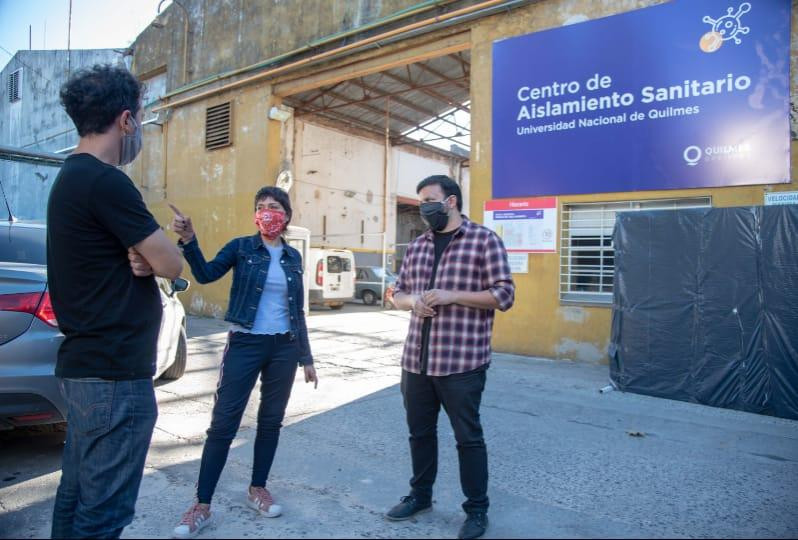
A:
(178, 367)
(369, 298)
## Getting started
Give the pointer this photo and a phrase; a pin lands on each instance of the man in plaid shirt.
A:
(453, 278)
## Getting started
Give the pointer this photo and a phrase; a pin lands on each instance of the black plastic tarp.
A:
(706, 307)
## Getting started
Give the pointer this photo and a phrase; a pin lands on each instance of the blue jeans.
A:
(109, 427)
(274, 358)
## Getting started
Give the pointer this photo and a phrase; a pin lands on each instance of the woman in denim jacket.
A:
(268, 339)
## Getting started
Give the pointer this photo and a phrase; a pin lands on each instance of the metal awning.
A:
(421, 103)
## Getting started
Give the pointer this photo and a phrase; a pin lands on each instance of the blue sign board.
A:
(520, 214)
(687, 94)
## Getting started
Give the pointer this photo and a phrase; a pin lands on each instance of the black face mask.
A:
(435, 215)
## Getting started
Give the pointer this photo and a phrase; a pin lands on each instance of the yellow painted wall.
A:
(539, 324)
(215, 188)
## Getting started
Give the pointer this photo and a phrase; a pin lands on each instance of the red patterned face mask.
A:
(271, 223)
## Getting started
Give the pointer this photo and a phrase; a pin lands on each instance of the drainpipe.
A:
(385, 191)
(165, 152)
(184, 80)
(185, 36)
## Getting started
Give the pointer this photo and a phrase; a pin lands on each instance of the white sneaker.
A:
(194, 520)
(261, 500)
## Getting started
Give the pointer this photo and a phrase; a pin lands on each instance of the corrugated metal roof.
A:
(415, 99)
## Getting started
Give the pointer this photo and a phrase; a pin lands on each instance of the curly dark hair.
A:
(94, 97)
(278, 195)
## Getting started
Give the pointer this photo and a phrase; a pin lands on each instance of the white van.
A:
(299, 239)
(333, 280)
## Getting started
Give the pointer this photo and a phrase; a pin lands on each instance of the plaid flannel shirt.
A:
(475, 260)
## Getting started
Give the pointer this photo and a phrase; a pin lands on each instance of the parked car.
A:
(29, 335)
(368, 285)
(333, 283)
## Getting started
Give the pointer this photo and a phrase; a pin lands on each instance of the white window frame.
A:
(587, 275)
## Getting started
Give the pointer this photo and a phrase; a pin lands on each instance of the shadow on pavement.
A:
(563, 463)
(20, 447)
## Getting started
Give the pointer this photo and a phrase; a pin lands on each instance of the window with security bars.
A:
(587, 256)
(13, 86)
(218, 132)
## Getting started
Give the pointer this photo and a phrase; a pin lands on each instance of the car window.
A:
(346, 264)
(378, 271)
(334, 265)
(23, 245)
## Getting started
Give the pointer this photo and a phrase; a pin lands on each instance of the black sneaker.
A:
(407, 508)
(474, 526)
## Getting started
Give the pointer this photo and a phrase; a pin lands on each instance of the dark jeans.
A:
(460, 395)
(274, 358)
(109, 427)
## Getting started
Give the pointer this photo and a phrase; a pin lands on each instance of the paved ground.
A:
(562, 461)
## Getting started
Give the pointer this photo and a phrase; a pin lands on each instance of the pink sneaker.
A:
(261, 500)
(194, 520)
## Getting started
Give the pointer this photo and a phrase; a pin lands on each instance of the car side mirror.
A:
(180, 285)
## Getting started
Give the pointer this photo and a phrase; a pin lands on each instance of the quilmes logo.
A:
(725, 28)
(693, 154)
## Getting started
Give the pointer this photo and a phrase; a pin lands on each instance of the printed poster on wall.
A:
(524, 225)
(686, 94)
(519, 263)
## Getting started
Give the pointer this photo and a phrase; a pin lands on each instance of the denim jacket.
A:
(250, 260)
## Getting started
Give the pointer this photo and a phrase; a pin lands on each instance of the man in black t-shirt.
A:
(103, 250)
(453, 279)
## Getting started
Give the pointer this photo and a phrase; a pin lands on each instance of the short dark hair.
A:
(94, 97)
(278, 195)
(448, 186)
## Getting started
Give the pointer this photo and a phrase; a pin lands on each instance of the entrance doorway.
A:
(360, 146)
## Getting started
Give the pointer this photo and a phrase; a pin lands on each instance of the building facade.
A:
(31, 118)
(219, 77)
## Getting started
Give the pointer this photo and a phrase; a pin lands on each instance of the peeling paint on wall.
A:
(218, 171)
(581, 351)
(573, 314)
(201, 306)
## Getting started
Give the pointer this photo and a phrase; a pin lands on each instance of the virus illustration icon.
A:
(729, 26)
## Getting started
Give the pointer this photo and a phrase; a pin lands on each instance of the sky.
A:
(96, 24)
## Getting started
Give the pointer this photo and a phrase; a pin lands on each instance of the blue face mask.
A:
(130, 144)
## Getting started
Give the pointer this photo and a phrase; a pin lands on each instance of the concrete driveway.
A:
(565, 460)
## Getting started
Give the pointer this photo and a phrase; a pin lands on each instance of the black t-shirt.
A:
(109, 317)
(441, 241)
